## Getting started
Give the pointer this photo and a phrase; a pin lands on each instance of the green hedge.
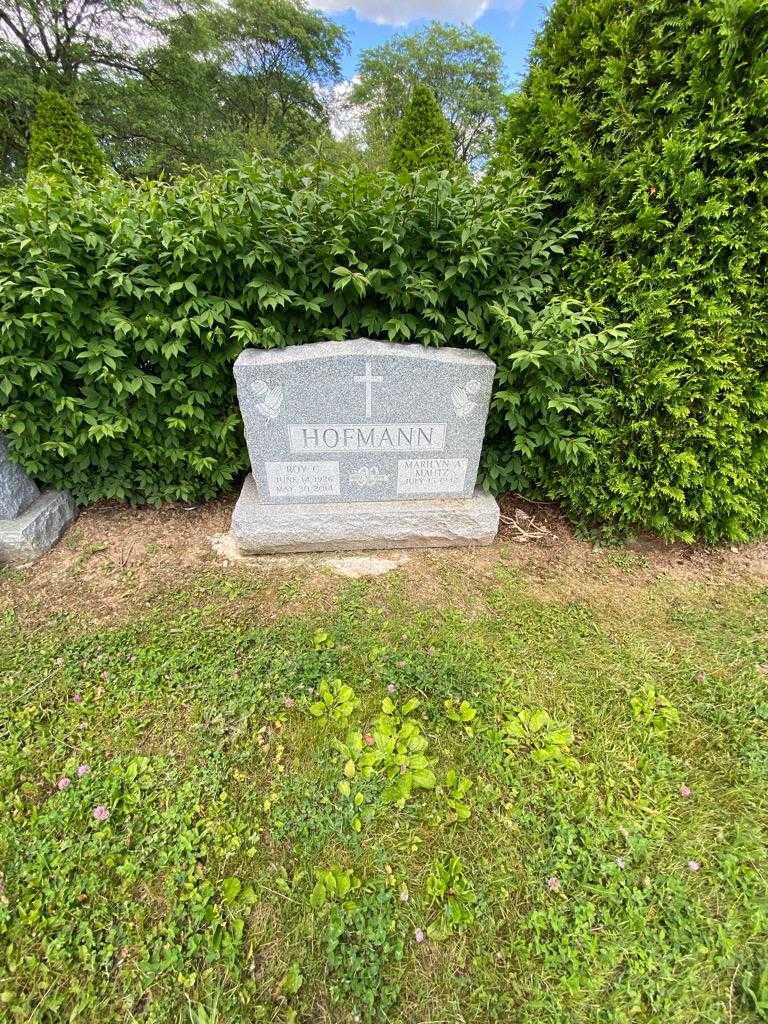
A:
(123, 307)
(649, 124)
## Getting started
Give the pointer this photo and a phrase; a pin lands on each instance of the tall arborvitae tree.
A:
(462, 66)
(58, 133)
(423, 137)
(649, 122)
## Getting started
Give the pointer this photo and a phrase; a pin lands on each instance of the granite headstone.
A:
(17, 491)
(361, 444)
(30, 521)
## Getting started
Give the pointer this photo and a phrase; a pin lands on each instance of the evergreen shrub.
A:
(423, 137)
(58, 133)
(649, 123)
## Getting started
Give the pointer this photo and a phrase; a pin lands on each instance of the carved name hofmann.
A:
(366, 437)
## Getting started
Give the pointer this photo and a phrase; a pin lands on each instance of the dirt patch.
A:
(114, 556)
(559, 552)
(115, 559)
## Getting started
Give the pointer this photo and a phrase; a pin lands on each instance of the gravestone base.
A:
(261, 528)
(30, 535)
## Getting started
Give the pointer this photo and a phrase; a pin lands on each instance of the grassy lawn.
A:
(473, 801)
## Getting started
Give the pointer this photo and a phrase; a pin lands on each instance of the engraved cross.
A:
(368, 380)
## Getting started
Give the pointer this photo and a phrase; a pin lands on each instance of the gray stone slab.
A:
(259, 527)
(363, 421)
(34, 532)
(17, 491)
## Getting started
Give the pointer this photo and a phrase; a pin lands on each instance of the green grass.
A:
(252, 870)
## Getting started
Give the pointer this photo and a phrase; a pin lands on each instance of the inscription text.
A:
(342, 438)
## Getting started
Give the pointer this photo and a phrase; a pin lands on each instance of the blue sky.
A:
(513, 23)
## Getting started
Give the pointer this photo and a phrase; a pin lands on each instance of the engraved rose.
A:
(368, 476)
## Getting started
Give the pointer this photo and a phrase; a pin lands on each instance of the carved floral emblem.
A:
(269, 401)
(462, 397)
(368, 476)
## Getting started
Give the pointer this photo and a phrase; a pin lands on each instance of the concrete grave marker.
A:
(30, 522)
(17, 491)
(363, 444)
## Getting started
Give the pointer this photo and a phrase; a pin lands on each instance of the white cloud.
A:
(401, 12)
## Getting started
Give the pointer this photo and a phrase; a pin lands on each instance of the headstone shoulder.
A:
(359, 347)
